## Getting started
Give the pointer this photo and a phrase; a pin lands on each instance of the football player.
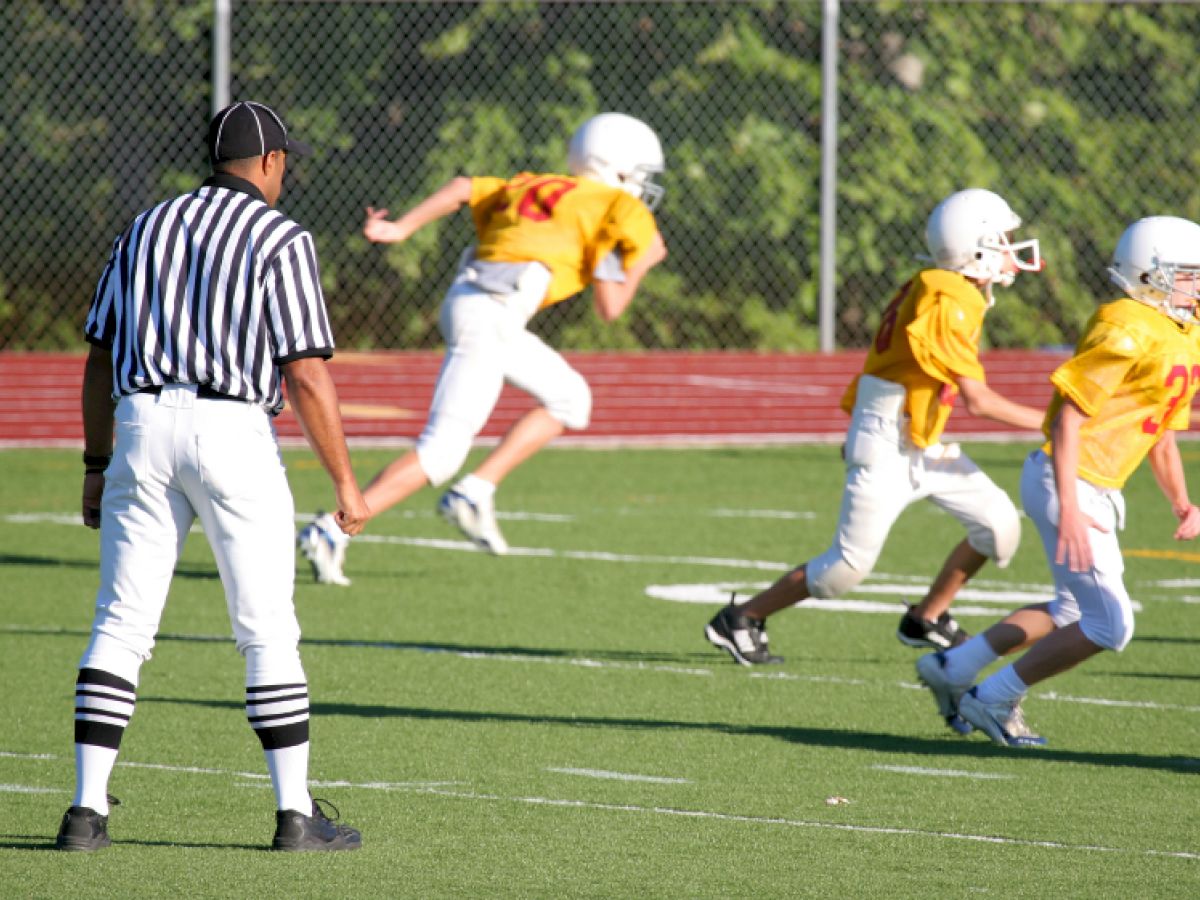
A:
(924, 355)
(1118, 400)
(541, 238)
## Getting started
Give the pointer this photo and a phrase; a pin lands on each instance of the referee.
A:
(208, 301)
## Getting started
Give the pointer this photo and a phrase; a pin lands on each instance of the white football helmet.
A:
(621, 151)
(1149, 255)
(968, 233)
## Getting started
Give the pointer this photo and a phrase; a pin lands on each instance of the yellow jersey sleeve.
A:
(928, 338)
(1134, 374)
(628, 227)
(566, 223)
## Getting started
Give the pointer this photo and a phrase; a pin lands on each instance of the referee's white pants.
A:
(884, 477)
(1097, 598)
(178, 457)
(486, 345)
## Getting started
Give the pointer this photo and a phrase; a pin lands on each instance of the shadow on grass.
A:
(38, 843)
(186, 570)
(872, 742)
(629, 656)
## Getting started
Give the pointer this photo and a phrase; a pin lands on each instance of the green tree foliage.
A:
(1082, 115)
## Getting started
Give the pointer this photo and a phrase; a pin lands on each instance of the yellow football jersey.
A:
(1134, 374)
(568, 224)
(927, 339)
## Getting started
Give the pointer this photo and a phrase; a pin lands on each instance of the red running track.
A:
(639, 398)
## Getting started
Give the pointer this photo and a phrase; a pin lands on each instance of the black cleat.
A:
(82, 830)
(940, 635)
(294, 831)
(743, 638)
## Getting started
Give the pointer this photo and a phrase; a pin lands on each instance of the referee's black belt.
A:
(205, 391)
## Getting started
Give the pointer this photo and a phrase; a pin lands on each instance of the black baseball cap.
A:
(246, 129)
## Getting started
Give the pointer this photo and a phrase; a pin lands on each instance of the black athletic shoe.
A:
(744, 638)
(82, 830)
(940, 635)
(296, 831)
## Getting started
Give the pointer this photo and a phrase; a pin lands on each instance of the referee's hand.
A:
(352, 512)
(93, 489)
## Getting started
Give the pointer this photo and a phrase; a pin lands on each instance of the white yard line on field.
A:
(440, 789)
(803, 823)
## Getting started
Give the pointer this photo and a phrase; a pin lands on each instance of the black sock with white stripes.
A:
(103, 706)
(278, 713)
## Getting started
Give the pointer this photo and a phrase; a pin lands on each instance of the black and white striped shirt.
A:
(212, 288)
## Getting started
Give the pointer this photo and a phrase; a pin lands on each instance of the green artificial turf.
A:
(546, 725)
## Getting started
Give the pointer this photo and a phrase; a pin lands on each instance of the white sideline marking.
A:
(12, 755)
(619, 776)
(438, 789)
(802, 823)
(28, 789)
(944, 773)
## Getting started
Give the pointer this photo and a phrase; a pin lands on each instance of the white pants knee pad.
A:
(997, 532)
(571, 402)
(1112, 629)
(442, 448)
(1064, 611)
(115, 656)
(829, 575)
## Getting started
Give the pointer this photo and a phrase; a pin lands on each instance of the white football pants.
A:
(178, 457)
(486, 345)
(1097, 599)
(884, 475)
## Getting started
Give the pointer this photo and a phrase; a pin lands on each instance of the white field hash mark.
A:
(618, 776)
(943, 773)
(439, 789)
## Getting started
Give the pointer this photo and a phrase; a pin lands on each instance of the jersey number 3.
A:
(1180, 374)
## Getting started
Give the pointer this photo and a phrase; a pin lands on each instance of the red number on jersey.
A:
(1180, 374)
(887, 325)
(541, 196)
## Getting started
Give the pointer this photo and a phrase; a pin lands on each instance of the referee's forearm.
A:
(314, 400)
(96, 402)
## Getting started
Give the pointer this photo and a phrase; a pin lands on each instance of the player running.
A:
(1119, 399)
(925, 354)
(541, 239)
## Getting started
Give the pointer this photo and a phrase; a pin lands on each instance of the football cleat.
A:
(324, 544)
(931, 670)
(743, 638)
(1004, 723)
(82, 831)
(940, 635)
(294, 831)
(474, 518)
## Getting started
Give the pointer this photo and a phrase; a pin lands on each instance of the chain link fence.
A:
(1081, 114)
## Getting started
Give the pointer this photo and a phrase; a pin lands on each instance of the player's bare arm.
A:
(984, 402)
(1074, 547)
(97, 428)
(612, 297)
(1167, 465)
(447, 199)
(314, 400)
